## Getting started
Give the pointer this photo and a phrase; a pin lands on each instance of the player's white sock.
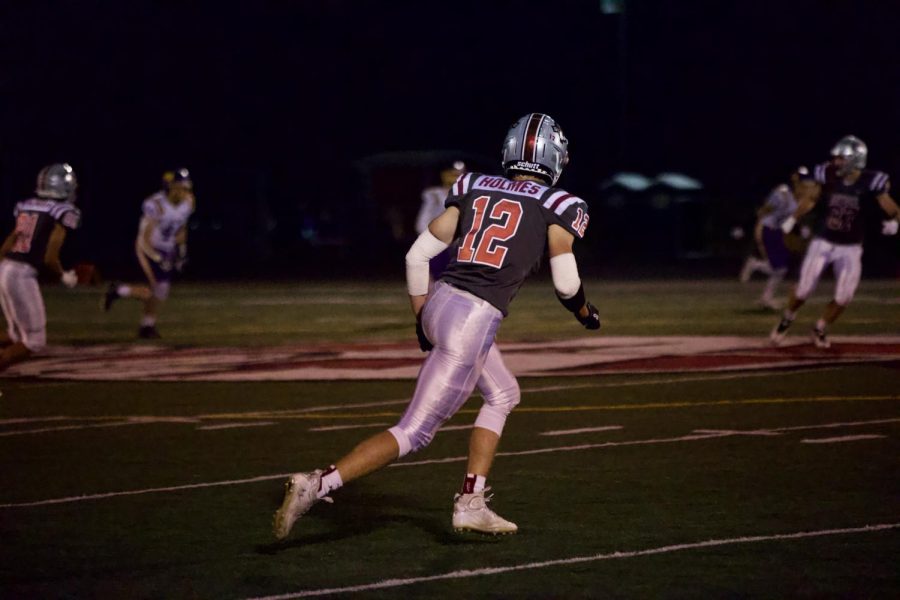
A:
(789, 315)
(330, 481)
(148, 321)
(820, 324)
(124, 291)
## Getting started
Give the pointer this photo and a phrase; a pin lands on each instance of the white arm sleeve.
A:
(564, 270)
(423, 250)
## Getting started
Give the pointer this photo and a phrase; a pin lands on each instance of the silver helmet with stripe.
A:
(56, 181)
(853, 151)
(535, 145)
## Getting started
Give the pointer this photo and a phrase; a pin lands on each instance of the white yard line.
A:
(129, 421)
(174, 488)
(354, 426)
(685, 438)
(469, 573)
(236, 425)
(845, 438)
(582, 430)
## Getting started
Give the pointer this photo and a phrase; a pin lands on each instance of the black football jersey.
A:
(502, 232)
(35, 219)
(842, 208)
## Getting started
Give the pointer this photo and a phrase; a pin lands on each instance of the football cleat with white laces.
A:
(820, 338)
(471, 513)
(300, 493)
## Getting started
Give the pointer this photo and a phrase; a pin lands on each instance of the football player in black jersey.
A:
(847, 194)
(498, 230)
(33, 246)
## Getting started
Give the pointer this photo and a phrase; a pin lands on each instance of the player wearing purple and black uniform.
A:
(498, 230)
(848, 194)
(160, 246)
(33, 246)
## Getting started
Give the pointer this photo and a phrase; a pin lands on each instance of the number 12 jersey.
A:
(502, 232)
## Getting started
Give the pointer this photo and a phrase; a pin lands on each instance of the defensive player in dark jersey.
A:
(847, 194)
(498, 229)
(33, 246)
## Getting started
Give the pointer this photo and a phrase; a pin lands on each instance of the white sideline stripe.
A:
(582, 430)
(835, 425)
(174, 488)
(236, 425)
(129, 421)
(457, 427)
(845, 438)
(738, 432)
(685, 438)
(467, 573)
(356, 426)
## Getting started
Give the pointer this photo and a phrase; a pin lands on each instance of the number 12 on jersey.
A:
(485, 247)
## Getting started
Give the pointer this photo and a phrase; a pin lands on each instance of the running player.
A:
(497, 229)
(848, 194)
(33, 246)
(161, 248)
(775, 256)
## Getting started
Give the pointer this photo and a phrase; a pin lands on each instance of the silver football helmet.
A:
(854, 152)
(56, 181)
(535, 145)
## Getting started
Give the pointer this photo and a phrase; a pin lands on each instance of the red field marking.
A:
(609, 355)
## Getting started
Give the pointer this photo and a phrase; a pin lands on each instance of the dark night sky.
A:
(278, 99)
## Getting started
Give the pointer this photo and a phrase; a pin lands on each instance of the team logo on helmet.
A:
(853, 151)
(56, 181)
(536, 145)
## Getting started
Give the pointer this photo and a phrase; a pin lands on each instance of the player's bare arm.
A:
(8, 243)
(808, 194)
(889, 206)
(145, 235)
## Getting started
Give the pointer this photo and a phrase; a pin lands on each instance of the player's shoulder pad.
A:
(460, 188)
(66, 214)
(153, 205)
(878, 181)
(566, 210)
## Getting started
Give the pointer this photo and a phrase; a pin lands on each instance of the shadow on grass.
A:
(356, 514)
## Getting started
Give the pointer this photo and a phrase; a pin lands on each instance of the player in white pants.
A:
(31, 247)
(497, 229)
(849, 193)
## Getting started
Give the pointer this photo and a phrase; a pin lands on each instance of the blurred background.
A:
(311, 128)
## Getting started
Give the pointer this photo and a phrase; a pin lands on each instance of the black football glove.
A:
(592, 321)
(424, 344)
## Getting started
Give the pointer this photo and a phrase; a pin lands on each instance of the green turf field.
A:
(265, 314)
(740, 484)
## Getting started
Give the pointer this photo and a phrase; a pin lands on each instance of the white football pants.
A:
(462, 328)
(23, 305)
(847, 264)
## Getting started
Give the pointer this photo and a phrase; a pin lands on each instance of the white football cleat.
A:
(300, 493)
(470, 513)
